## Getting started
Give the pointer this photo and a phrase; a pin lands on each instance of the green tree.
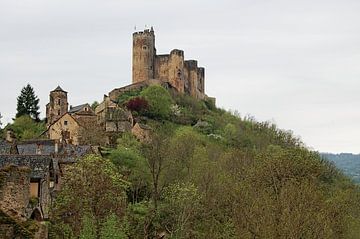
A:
(131, 163)
(181, 205)
(156, 154)
(88, 228)
(28, 103)
(159, 101)
(111, 228)
(92, 186)
(26, 128)
(94, 105)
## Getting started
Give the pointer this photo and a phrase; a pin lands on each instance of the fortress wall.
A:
(192, 76)
(161, 67)
(176, 68)
(201, 79)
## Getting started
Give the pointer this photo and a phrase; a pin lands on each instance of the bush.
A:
(138, 104)
(25, 128)
(159, 101)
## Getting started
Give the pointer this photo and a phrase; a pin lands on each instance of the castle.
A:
(171, 70)
(183, 75)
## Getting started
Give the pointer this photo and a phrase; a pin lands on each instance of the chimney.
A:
(56, 147)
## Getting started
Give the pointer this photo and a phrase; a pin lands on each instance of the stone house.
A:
(142, 132)
(113, 118)
(31, 177)
(65, 128)
(66, 124)
(28, 181)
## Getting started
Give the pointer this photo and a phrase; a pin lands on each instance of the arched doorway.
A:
(36, 215)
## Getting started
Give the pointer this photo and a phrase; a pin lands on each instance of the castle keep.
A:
(183, 75)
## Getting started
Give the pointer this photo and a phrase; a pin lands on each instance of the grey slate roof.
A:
(47, 147)
(39, 164)
(77, 108)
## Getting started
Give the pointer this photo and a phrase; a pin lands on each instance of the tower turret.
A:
(57, 106)
(143, 55)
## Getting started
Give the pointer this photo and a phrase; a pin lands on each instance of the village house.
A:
(32, 176)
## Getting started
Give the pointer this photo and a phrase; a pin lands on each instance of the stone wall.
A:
(15, 191)
(65, 128)
(143, 56)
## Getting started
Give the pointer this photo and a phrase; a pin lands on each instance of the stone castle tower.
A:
(183, 75)
(57, 106)
(143, 55)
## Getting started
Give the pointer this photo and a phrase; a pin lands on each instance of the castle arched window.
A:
(59, 101)
(144, 47)
(178, 73)
(58, 112)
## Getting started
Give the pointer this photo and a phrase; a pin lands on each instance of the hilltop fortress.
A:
(184, 75)
(31, 172)
(171, 70)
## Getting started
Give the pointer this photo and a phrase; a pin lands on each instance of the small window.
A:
(144, 47)
(58, 112)
(65, 122)
(59, 101)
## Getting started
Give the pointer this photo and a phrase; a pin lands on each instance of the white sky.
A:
(292, 62)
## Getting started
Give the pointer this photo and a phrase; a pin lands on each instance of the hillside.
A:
(203, 172)
(348, 163)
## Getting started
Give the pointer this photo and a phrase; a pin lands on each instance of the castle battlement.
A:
(183, 75)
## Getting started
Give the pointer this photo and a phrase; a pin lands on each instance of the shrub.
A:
(159, 101)
(138, 104)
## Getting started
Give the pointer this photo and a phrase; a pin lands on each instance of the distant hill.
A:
(348, 163)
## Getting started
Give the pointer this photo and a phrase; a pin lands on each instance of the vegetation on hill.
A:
(24, 128)
(206, 173)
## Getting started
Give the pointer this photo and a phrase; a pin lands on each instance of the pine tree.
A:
(28, 103)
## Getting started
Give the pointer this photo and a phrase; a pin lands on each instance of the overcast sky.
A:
(295, 63)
